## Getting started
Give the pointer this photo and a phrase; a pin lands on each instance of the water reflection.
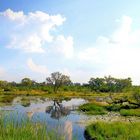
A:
(68, 130)
(57, 110)
(58, 115)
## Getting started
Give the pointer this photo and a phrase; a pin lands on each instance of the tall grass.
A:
(26, 130)
(113, 131)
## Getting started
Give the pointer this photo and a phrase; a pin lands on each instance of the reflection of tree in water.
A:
(57, 110)
(26, 104)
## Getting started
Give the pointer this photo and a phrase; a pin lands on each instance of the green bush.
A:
(113, 107)
(118, 107)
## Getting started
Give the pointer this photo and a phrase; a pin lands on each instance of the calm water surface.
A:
(58, 115)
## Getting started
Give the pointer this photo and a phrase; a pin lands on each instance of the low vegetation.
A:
(26, 130)
(104, 94)
(92, 109)
(130, 112)
(58, 82)
(113, 131)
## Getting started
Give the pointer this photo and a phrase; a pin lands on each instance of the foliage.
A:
(113, 107)
(92, 109)
(130, 112)
(109, 84)
(136, 96)
(113, 131)
(62, 83)
(57, 79)
(26, 82)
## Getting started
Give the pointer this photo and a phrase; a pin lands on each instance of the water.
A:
(58, 115)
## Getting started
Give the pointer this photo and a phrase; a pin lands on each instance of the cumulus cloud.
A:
(64, 46)
(28, 32)
(36, 68)
(117, 53)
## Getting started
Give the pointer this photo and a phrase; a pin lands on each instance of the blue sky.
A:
(79, 38)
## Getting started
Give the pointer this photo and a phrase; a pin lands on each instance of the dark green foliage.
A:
(118, 107)
(109, 84)
(113, 107)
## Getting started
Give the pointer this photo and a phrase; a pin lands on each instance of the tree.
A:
(26, 82)
(3, 85)
(57, 79)
(109, 84)
(96, 84)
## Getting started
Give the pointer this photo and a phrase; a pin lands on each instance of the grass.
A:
(113, 131)
(36, 92)
(92, 109)
(130, 112)
(26, 130)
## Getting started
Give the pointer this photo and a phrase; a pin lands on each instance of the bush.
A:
(113, 107)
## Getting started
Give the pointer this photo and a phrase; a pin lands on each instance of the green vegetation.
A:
(57, 79)
(109, 84)
(92, 109)
(104, 95)
(130, 112)
(58, 82)
(117, 93)
(113, 131)
(26, 130)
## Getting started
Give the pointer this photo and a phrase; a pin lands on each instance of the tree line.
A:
(58, 81)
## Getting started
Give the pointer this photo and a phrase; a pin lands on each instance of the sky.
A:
(79, 38)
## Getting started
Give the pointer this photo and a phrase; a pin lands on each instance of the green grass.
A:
(92, 109)
(113, 131)
(130, 112)
(26, 130)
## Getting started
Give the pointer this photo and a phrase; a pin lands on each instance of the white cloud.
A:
(14, 16)
(29, 32)
(63, 46)
(2, 71)
(37, 68)
(118, 53)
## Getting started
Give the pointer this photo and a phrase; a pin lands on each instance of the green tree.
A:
(3, 85)
(57, 79)
(26, 82)
(109, 84)
(97, 84)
